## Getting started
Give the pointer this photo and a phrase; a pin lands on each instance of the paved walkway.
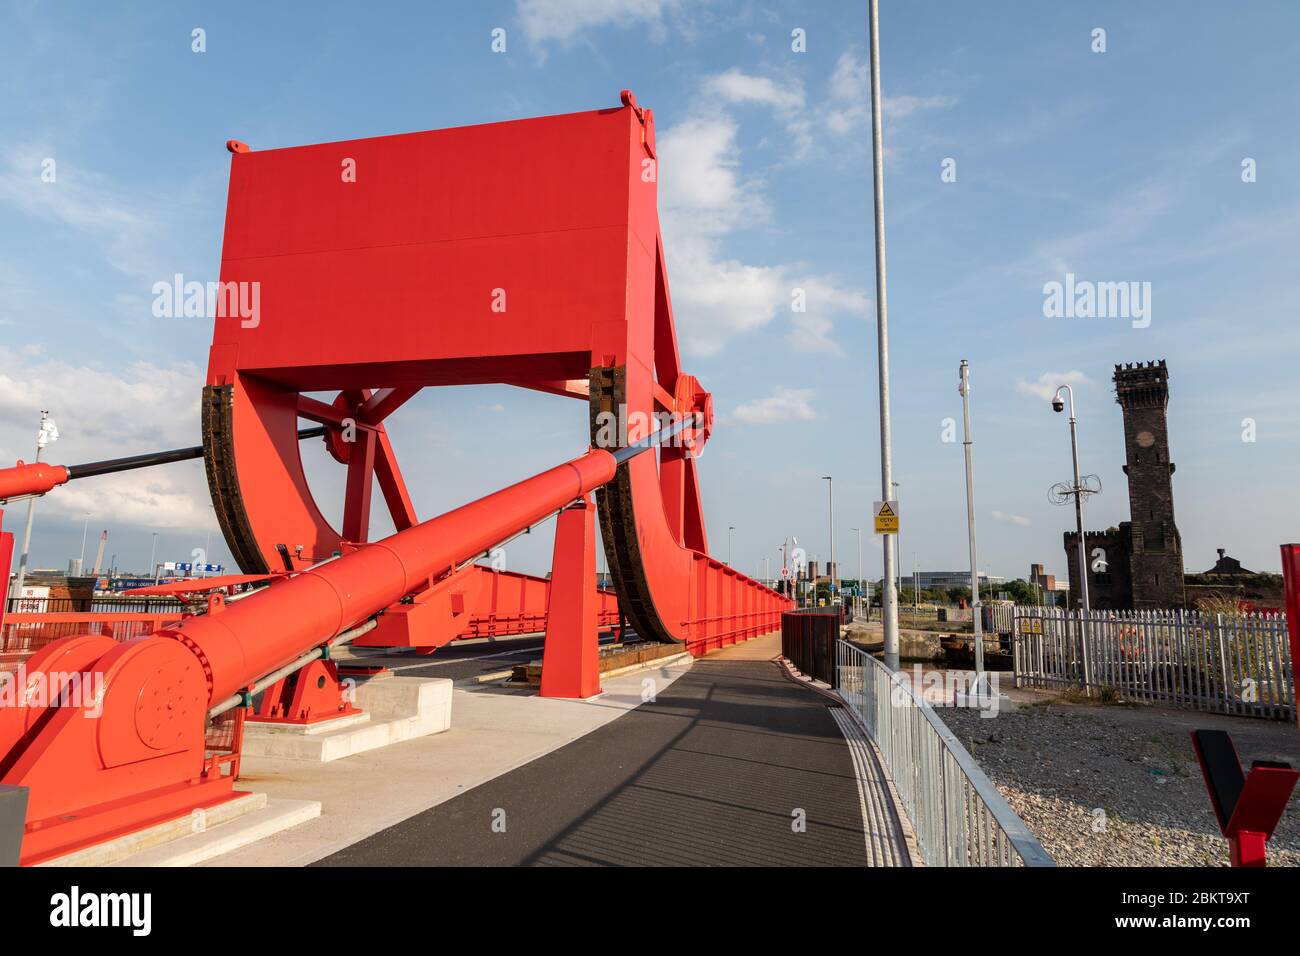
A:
(732, 764)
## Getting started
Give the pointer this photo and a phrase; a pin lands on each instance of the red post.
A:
(1291, 589)
(1247, 848)
(570, 659)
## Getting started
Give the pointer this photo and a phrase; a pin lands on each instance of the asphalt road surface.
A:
(718, 770)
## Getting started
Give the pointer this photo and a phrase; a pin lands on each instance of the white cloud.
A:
(1007, 518)
(811, 330)
(716, 297)
(1045, 385)
(783, 405)
(562, 20)
(132, 229)
(850, 95)
(698, 177)
(737, 87)
(104, 414)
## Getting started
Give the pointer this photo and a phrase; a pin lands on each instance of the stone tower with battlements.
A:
(1156, 552)
(1140, 564)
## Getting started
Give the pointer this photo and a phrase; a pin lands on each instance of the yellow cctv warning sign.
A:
(886, 515)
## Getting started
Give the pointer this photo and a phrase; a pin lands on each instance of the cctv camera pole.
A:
(1078, 505)
(889, 601)
(21, 576)
(976, 605)
(830, 524)
(1083, 548)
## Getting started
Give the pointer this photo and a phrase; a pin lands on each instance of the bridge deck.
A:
(716, 771)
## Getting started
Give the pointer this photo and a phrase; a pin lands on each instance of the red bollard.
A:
(1291, 590)
(1246, 804)
(571, 657)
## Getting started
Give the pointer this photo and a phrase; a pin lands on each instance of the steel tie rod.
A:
(113, 465)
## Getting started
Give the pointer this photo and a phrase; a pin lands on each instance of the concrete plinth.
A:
(196, 837)
(393, 709)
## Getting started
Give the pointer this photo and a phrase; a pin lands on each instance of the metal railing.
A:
(95, 605)
(1231, 664)
(808, 639)
(999, 618)
(959, 816)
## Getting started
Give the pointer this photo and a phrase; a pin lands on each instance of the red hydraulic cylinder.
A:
(34, 479)
(257, 635)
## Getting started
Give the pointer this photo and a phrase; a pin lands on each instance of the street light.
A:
(889, 601)
(1058, 405)
(47, 433)
(84, 528)
(730, 529)
(963, 386)
(830, 510)
(916, 592)
(862, 591)
(898, 544)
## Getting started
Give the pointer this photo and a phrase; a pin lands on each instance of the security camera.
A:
(1058, 404)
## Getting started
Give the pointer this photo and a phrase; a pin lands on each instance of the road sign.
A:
(886, 517)
(785, 572)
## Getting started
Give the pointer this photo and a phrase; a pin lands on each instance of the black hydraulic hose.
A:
(113, 465)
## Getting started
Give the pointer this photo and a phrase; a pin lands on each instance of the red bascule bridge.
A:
(526, 253)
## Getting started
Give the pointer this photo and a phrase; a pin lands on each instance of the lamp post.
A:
(730, 528)
(830, 511)
(898, 544)
(862, 591)
(963, 386)
(47, 433)
(153, 553)
(1058, 405)
(84, 529)
(889, 603)
(916, 592)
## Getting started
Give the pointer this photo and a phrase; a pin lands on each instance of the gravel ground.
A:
(1119, 785)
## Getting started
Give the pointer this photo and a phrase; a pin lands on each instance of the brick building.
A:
(1138, 565)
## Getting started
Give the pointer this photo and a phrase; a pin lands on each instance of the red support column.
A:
(1247, 848)
(571, 660)
(1291, 588)
(6, 559)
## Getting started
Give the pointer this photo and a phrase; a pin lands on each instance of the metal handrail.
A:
(958, 814)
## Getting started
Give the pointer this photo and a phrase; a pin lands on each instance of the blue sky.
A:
(1117, 166)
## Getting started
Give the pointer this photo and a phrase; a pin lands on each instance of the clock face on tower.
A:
(1146, 439)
